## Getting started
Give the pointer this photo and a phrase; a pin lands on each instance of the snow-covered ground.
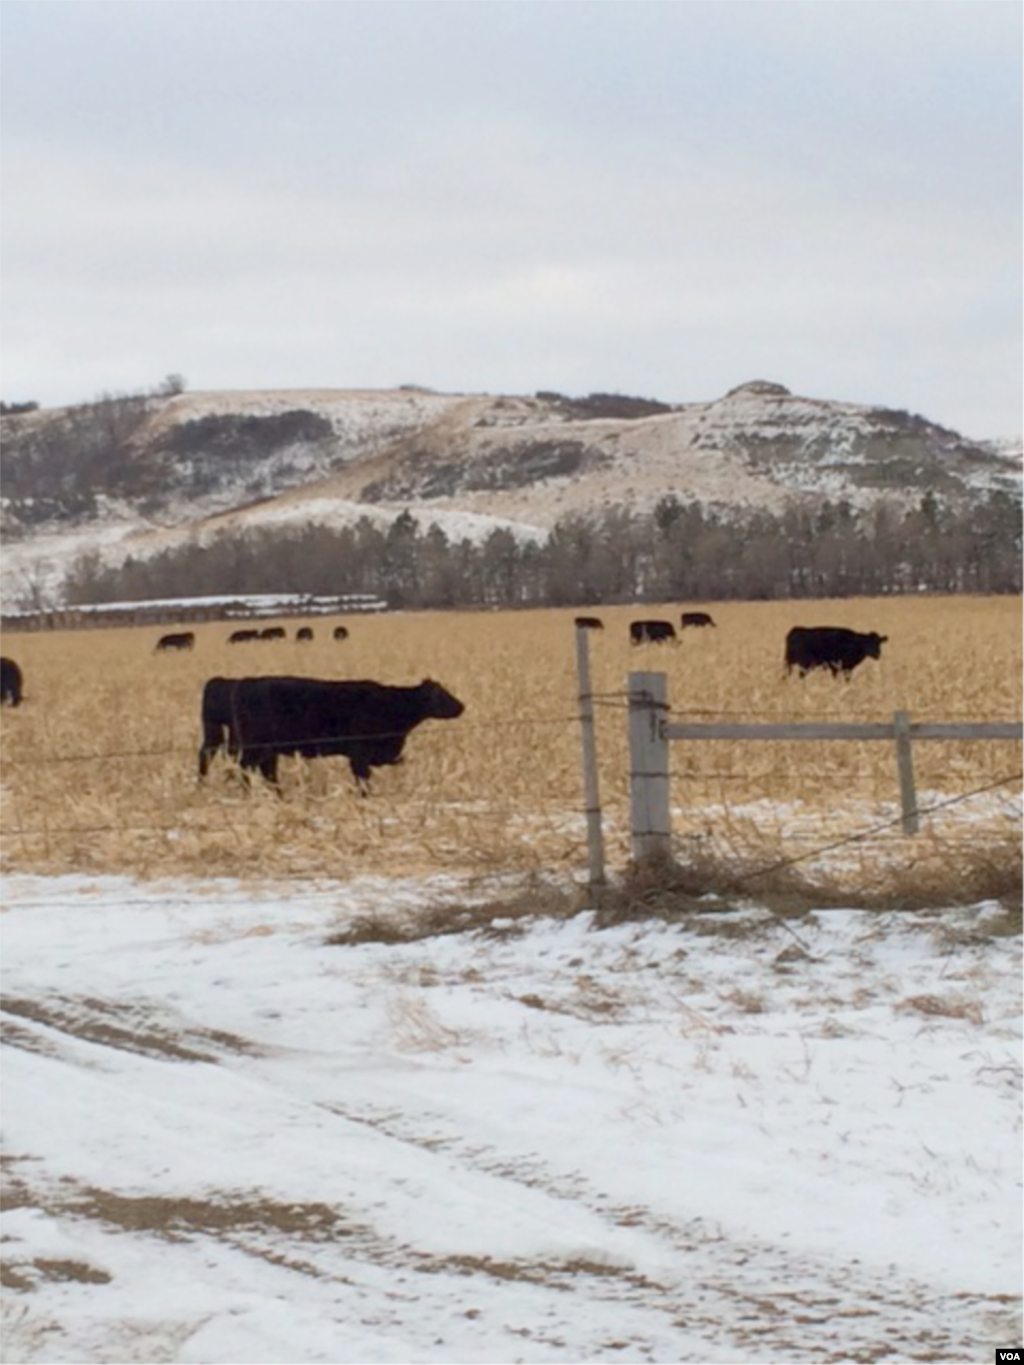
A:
(735, 1139)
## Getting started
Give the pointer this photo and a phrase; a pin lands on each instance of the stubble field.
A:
(100, 774)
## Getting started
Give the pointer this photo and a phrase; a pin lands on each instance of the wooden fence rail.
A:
(651, 732)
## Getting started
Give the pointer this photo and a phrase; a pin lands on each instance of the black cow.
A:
(832, 647)
(238, 637)
(259, 719)
(695, 618)
(183, 640)
(656, 632)
(304, 633)
(10, 682)
(590, 622)
(340, 633)
(273, 633)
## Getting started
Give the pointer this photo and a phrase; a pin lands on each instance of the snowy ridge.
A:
(476, 463)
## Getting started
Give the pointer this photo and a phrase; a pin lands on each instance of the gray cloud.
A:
(659, 198)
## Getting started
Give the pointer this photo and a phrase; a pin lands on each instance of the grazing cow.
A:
(696, 618)
(304, 633)
(340, 633)
(832, 647)
(590, 622)
(10, 682)
(259, 719)
(238, 637)
(656, 632)
(273, 633)
(183, 640)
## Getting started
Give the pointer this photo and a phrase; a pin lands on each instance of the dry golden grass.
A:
(99, 763)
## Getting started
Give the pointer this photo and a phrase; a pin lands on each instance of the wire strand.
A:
(877, 829)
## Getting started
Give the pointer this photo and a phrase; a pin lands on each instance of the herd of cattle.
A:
(257, 720)
(185, 639)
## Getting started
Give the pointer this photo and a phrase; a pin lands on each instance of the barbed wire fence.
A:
(229, 822)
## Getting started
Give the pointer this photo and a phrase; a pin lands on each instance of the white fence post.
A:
(905, 764)
(648, 767)
(595, 839)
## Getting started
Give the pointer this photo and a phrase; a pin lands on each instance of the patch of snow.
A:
(730, 1140)
(457, 524)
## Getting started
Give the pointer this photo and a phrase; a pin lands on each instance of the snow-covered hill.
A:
(154, 472)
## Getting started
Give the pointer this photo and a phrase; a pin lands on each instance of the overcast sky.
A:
(662, 198)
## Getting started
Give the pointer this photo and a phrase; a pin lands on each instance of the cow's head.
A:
(439, 702)
(875, 643)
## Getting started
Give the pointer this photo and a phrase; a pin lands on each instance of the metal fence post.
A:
(648, 767)
(905, 764)
(595, 839)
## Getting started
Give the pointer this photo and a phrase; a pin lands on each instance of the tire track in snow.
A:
(761, 1296)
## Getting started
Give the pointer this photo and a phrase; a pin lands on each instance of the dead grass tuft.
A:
(706, 894)
(1009, 924)
(551, 1273)
(747, 1002)
(179, 1219)
(416, 1028)
(945, 1007)
(933, 873)
(499, 918)
(26, 1275)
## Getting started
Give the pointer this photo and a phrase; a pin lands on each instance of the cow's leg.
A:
(361, 773)
(213, 737)
(265, 763)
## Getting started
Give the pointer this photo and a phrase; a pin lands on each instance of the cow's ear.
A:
(883, 639)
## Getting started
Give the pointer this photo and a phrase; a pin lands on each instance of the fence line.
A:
(871, 830)
(169, 750)
(799, 730)
(650, 733)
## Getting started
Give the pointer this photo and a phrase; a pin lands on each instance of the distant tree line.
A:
(678, 552)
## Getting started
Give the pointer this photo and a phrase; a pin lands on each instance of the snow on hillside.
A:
(464, 462)
(759, 445)
(357, 415)
(1008, 448)
(729, 1139)
(300, 510)
(33, 568)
